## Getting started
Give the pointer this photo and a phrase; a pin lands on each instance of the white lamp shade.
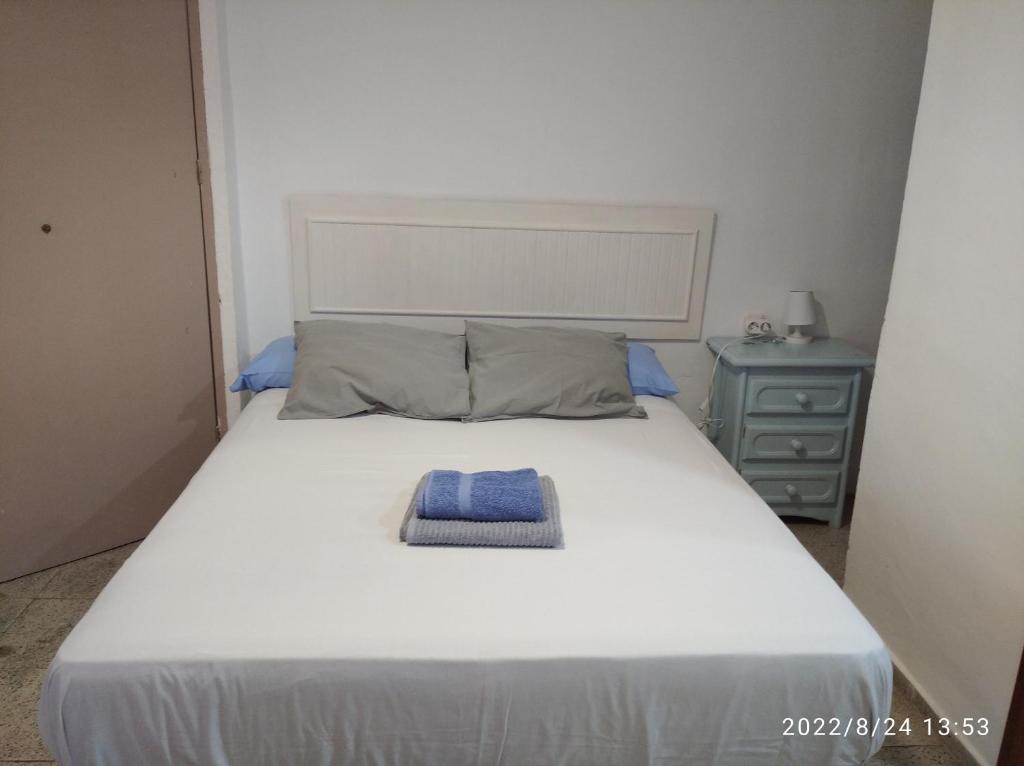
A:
(799, 308)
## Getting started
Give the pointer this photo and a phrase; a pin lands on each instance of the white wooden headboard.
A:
(433, 263)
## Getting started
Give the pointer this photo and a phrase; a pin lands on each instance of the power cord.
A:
(708, 406)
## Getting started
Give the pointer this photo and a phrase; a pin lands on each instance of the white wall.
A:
(791, 118)
(937, 548)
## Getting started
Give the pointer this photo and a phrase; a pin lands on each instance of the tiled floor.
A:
(38, 611)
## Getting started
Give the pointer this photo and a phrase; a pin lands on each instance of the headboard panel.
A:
(433, 263)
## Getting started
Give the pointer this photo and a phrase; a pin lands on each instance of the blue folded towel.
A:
(483, 496)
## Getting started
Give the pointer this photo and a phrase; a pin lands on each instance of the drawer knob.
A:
(791, 490)
(801, 397)
(796, 444)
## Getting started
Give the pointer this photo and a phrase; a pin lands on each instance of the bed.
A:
(272, 617)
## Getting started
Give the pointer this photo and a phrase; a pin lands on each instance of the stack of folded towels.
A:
(508, 509)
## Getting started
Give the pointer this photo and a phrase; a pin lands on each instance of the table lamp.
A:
(799, 313)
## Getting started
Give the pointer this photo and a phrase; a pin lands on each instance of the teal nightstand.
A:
(784, 415)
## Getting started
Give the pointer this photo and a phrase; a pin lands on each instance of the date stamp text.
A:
(806, 726)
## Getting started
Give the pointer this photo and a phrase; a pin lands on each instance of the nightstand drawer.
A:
(817, 395)
(795, 487)
(784, 442)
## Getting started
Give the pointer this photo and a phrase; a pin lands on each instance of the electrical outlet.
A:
(756, 325)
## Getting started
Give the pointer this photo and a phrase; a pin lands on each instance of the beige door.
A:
(106, 383)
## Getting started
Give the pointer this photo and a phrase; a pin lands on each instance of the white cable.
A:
(706, 419)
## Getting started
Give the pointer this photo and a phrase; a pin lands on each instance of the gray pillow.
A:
(342, 368)
(527, 371)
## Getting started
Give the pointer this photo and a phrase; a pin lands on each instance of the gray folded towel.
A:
(500, 534)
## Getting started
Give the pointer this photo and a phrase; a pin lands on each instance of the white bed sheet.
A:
(272, 616)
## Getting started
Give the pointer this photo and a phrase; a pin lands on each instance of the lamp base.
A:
(795, 335)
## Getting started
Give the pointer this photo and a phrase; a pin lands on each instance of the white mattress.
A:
(272, 617)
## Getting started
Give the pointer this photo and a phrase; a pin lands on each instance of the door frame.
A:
(206, 211)
(209, 155)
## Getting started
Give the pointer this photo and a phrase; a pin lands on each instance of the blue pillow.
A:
(271, 368)
(646, 375)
